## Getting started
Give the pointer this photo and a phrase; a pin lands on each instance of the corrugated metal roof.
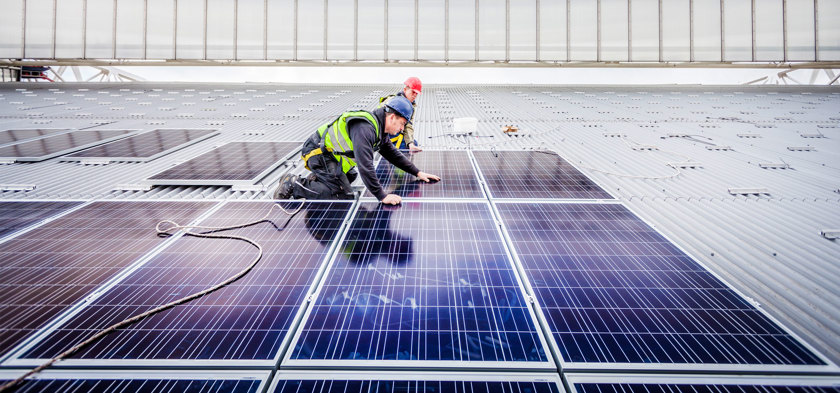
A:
(686, 158)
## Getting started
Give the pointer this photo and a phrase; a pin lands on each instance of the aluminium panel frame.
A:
(132, 132)
(15, 359)
(549, 364)
(220, 182)
(155, 156)
(567, 366)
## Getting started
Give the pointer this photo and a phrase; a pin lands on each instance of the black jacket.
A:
(365, 143)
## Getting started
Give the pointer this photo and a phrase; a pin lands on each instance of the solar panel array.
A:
(613, 290)
(48, 269)
(230, 164)
(56, 145)
(246, 320)
(146, 146)
(515, 259)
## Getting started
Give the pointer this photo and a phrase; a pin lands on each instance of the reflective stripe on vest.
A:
(334, 136)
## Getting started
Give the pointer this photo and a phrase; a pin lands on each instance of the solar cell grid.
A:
(424, 282)
(699, 387)
(454, 168)
(18, 215)
(613, 290)
(14, 136)
(230, 164)
(56, 145)
(48, 269)
(246, 320)
(89, 385)
(146, 146)
(534, 174)
(388, 386)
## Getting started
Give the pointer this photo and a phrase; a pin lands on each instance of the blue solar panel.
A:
(50, 268)
(136, 382)
(138, 386)
(422, 282)
(534, 174)
(458, 178)
(767, 387)
(247, 320)
(613, 290)
(389, 386)
(18, 215)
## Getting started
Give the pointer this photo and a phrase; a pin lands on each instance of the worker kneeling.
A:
(335, 150)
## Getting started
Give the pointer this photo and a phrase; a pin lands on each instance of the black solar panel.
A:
(146, 146)
(423, 282)
(56, 145)
(710, 387)
(534, 174)
(50, 268)
(389, 386)
(458, 179)
(246, 320)
(230, 164)
(18, 215)
(613, 290)
(14, 136)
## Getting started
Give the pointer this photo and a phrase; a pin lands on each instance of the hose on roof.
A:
(169, 227)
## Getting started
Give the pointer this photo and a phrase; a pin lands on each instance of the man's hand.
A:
(426, 177)
(392, 199)
(414, 148)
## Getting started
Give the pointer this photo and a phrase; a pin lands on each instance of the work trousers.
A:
(327, 180)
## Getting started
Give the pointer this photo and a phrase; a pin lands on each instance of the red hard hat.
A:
(414, 84)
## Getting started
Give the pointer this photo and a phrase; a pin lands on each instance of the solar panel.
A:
(56, 145)
(534, 174)
(614, 291)
(247, 320)
(234, 163)
(48, 269)
(423, 284)
(458, 179)
(139, 382)
(146, 146)
(603, 383)
(15, 136)
(15, 216)
(345, 382)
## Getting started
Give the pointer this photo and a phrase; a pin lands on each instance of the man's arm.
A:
(390, 153)
(363, 136)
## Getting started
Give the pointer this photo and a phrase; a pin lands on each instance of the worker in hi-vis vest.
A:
(405, 140)
(334, 151)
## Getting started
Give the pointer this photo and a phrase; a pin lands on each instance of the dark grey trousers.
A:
(327, 181)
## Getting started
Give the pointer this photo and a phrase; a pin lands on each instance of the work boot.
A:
(287, 185)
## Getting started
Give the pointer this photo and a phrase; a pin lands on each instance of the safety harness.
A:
(336, 140)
